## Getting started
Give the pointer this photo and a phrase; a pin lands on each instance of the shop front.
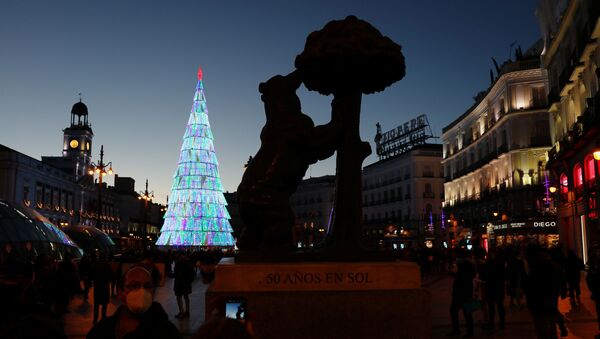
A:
(543, 231)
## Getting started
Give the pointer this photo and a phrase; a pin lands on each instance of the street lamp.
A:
(100, 169)
(147, 197)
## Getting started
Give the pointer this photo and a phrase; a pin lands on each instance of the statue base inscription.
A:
(327, 299)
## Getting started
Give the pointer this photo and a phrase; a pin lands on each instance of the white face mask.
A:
(139, 300)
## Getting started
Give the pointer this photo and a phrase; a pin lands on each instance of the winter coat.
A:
(154, 324)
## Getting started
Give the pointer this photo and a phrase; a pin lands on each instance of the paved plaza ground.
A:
(581, 322)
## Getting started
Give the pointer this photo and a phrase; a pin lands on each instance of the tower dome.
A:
(79, 108)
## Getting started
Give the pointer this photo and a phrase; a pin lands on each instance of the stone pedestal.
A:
(327, 299)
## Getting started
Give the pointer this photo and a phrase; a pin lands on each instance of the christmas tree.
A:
(197, 214)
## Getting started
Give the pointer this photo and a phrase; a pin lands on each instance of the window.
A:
(577, 176)
(428, 192)
(590, 171)
(39, 193)
(428, 171)
(63, 199)
(26, 192)
(47, 196)
(538, 96)
(564, 188)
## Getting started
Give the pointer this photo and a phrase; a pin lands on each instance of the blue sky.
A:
(135, 63)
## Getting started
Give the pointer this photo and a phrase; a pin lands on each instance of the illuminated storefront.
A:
(541, 231)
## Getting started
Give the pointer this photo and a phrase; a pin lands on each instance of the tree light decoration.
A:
(196, 215)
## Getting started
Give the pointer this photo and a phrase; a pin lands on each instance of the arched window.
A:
(577, 176)
(564, 188)
(578, 180)
(590, 171)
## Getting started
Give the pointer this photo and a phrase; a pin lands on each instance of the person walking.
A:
(542, 289)
(67, 284)
(574, 266)
(462, 293)
(84, 269)
(182, 285)
(515, 273)
(101, 277)
(593, 279)
(495, 279)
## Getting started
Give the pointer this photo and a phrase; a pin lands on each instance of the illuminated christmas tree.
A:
(197, 215)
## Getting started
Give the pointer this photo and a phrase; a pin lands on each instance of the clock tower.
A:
(77, 140)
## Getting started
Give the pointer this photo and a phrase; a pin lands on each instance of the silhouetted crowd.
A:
(540, 275)
(36, 290)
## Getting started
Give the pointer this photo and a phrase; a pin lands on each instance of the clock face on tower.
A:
(73, 143)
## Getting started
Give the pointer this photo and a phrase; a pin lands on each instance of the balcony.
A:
(539, 141)
(428, 174)
(589, 120)
(502, 149)
(428, 195)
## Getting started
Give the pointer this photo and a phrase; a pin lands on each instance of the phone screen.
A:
(236, 309)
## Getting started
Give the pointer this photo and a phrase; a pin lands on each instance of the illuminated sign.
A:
(525, 226)
(402, 138)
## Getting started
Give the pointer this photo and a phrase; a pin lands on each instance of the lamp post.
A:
(147, 197)
(101, 169)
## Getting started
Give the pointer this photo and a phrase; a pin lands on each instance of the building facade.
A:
(571, 31)
(402, 198)
(37, 185)
(494, 159)
(140, 219)
(61, 189)
(312, 204)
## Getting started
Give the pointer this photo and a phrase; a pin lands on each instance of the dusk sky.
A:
(135, 63)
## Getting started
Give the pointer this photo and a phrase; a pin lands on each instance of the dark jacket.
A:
(593, 277)
(154, 324)
(573, 268)
(462, 288)
(494, 275)
(543, 285)
(184, 276)
(101, 275)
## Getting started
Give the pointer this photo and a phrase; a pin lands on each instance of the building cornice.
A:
(503, 120)
(493, 162)
(565, 23)
(498, 87)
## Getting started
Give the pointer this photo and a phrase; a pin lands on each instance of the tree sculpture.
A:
(348, 58)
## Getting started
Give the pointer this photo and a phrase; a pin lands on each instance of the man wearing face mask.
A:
(138, 316)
